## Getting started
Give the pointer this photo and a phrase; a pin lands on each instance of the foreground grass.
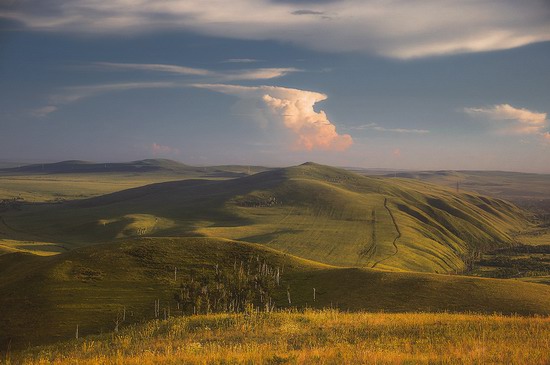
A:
(316, 337)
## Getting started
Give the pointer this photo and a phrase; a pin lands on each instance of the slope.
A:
(43, 299)
(312, 211)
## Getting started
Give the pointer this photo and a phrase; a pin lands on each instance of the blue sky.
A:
(400, 84)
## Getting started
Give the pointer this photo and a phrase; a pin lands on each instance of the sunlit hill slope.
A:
(317, 212)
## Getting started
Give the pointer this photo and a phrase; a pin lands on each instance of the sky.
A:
(401, 84)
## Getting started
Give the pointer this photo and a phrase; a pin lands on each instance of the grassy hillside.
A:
(313, 337)
(312, 211)
(43, 299)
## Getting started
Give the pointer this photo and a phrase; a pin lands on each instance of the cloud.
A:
(247, 74)
(258, 74)
(158, 149)
(72, 94)
(293, 108)
(512, 120)
(396, 152)
(241, 60)
(307, 12)
(376, 127)
(399, 29)
(181, 70)
(44, 111)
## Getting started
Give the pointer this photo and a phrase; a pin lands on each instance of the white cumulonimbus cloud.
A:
(398, 29)
(294, 109)
(512, 120)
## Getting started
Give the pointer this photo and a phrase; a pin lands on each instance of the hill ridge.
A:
(318, 212)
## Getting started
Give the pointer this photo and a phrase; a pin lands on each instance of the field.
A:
(531, 191)
(313, 337)
(317, 212)
(91, 286)
(70, 180)
(411, 271)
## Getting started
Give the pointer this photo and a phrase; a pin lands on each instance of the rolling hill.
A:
(316, 212)
(141, 166)
(43, 299)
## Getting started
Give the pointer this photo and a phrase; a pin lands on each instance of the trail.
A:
(369, 252)
(396, 237)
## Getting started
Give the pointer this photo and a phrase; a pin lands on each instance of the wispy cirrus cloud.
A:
(511, 120)
(258, 73)
(229, 75)
(293, 108)
(173, 69)
(399, 29)
(241, 60)
(44, 111)
(376, 127)
(72, 94)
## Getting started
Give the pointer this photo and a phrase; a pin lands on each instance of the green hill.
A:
(317, 212)
(43, 299)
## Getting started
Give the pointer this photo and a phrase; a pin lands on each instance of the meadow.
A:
(44, 299)
(380, 269)
(311, 337)
(317, 212)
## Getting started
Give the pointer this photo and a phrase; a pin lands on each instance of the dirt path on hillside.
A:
(396, 237)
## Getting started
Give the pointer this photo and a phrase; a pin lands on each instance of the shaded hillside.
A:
(43, 299)
(312, 211)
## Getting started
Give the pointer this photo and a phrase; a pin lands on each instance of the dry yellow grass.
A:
(313, 337)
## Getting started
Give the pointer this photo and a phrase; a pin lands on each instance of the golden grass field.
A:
(311, 337)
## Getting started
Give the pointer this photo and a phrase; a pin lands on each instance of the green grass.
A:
(316, 212)
(43, 299)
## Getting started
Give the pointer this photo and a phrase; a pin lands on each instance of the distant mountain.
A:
(317, 212)
(141, 166)
(525, 189)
